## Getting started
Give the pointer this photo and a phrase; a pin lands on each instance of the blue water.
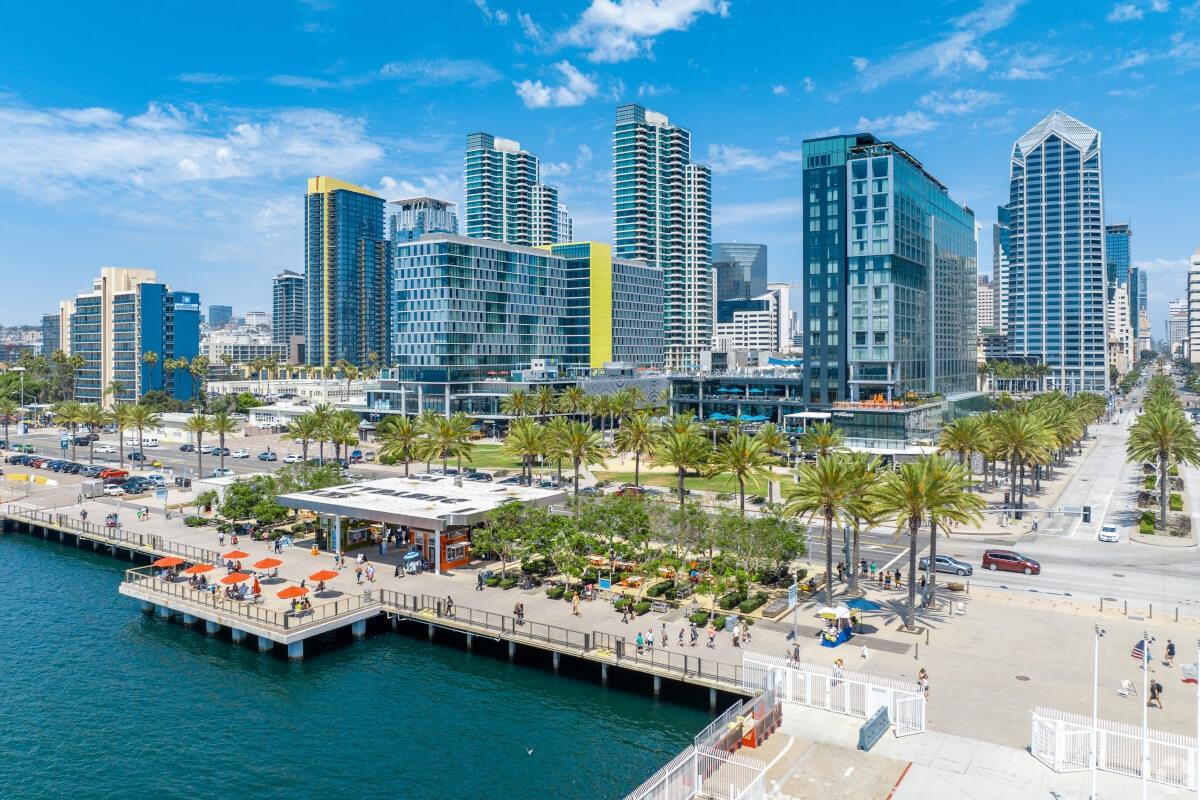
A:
(99, 701)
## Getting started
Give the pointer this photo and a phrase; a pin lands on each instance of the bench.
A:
(660, 607)
(776, 607)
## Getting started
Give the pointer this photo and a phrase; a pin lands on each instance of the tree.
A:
(120, 416)
(581, 445)
(545, 402)
(94, 417)
(822, 439)
(745, 458)
(69, 413)
(636, 436)
(865, 470)
(773, 441)
(504, 533)
(342, 431)
(620, 523)
(398, 437)
(322, 413)
(142, 416)
(198, 368)
(930, 487)
(1022, 438)
(449, 437)
(516, 404)
(10, 412)
(683, 450)
(222, 425)
(1162, 434)
(949, 500)
(150, 359)
(964, 436)
(524, 441)
(572, 400)
(830, 489)
(114, 389)
(198, 424)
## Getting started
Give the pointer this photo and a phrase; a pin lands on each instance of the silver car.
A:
(947, 564)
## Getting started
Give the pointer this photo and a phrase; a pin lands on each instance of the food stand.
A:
(839, 623)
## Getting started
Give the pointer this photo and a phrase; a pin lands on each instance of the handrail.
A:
(115, 535)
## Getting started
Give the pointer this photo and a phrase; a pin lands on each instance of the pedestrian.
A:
(625, 613)
(746, 631)
(737, 633)
(922, 583)
(370, 573)
(449, 606)
(641, 642)
(864, 567)
(221, 538)
(899, 583)
(864, 653)
(923, 682)
(1170, 653)
(712, 635)
(695, 634)
(680, 643)
(521, 613)
(664, 637)
(575, 603)
(839, 672)
(233, 539)
(796, 655)
(872, 570)
(358, 572)
(83, 515)
(478, 581)
(650, 639)
(1156, 690)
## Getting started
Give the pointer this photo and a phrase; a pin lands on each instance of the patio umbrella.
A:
(197, 569)
(236, 555)
(863, 604)
(323, 575)
(167, 561)
(267, 563)
(291, 592)
(236, 577)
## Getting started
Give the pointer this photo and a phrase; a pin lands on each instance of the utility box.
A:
(875, 726)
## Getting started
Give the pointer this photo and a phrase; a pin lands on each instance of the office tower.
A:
(566, 225)
(1118, 240)
(505, 197)
(1193, 298)
(1143, 292)
(912, 270)
(414, 217)
(1057, 291)
(1001, 229)
(783, 294)
(287, 306)
(127, 315)
(740, 271)
(241, 347)
(220, 316)
(1122, 344)
(757, 323)
(1177, 327)
(662, 215)
(346, 271)
(614, 306)
(257, 319)
(51, 333)
(825, 262)
(985, 304)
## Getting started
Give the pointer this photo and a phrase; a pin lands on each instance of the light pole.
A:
(1145, 709)
(1096, 708)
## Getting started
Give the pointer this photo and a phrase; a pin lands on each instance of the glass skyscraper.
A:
(288, 310)
(1056, 292)
(346, 270)
(741, 271)
(414, 217)
(505, 197)
(1118, 240)
(913, 274)
(1001, 231)
(824, 267)
(662, 216)
(219, 316)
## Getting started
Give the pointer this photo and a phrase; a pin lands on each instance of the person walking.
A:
(864, 567)
(358, 573)
(923, 682)
(371, 573)
(737, 633)
(1170, 653)
(83, 515)
(479, 581)
(1156, 691)
(625, 613)
(899, 583)
(695, 634)
(641, 642)
(665, 636)
(873, 570)
(449, 606)
(680, 642)
(220, 537)
(575, 604)
(712, 635)
(650, 639)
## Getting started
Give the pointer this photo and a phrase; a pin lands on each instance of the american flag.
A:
(1189, 673)
(1137, 653)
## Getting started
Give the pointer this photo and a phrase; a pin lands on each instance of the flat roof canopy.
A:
(808, 415)
(429, 503)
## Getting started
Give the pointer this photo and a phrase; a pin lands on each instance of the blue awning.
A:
(719, 417)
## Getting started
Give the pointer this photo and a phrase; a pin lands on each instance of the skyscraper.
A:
(741, 270)
(505, 197)
(662, 215)
(1056, 292)
(1118, 240)
(1001, 230)
(413, 217)
(985, 316)
(347, 273)
(287, 306)
(1193, 298)
(824, 269)
(219, 316)
(566, 225)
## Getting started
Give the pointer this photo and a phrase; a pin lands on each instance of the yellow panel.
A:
(601, 322)
(323, 183)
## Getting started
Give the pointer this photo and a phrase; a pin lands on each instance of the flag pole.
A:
(1145, 710)
(1095, 707)
(1197, 676)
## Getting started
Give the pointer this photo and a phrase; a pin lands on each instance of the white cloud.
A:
(908, 124)
(532, 30)
(302, 82)
(737, 213)
(576, 91)
(582, 156)
(652, 90)
(958, 102)
(860, 63)
(499, 15)
(1124, 12)
(810, 85)
(442, 185)
(619, 30)
(1033, 66)
(213, 78)
(555, 169)
(315, 27)
(728, 159)
(441, 72)
(1135, 59)
(779, 89)
(1160, 6)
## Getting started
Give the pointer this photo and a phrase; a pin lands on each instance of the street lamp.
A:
(1095, 706)
(21, 412)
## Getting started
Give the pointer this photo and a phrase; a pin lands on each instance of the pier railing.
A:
(286, 620)
(115, 535)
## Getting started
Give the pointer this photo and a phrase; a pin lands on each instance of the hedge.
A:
(508, 583)
(760, 598)
(701, 620)
(658, 589)
(624, 601)
(493, 581)
(732, 599)
(1149, 483)
(1176, 502)
(555, 592)
(641, 607)
(195, 522)
(1146, 523)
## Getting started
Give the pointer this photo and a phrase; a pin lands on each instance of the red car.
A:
(1010, 561)
(114, 473)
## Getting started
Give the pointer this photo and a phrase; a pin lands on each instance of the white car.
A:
(1109, 533)
(206, 449)
(293, 458)
(105, 448)
(221, 472)
(114, 491)
(239, 453)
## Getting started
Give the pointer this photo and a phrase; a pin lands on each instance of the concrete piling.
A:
(264, 644)
(554, 656)
(657, 680)
(211, 628)
(358, 629)
(296, 650)
(238, 636)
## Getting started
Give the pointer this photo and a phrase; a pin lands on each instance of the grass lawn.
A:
(717, 483)
(490, 456)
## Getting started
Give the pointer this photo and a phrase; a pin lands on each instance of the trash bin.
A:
(366, 595)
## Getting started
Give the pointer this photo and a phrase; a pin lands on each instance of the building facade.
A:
(219, 316)
(1122, 344)
(1193, 298)
(1056, 293)
(752, 324)
(505, 197)
(346, 271)
(288, 310)
(1118, 247)
(662, 216)
(1177, 327)
(413, 217)
(1001, 230)
(240, 347)
(985, 305)
(739, 269)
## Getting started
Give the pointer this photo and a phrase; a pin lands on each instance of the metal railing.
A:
(701, 772)
(143, 577)
(114, 535)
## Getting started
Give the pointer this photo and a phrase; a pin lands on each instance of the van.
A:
(147, 441)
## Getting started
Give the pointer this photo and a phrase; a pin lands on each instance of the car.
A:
(1010, 561)
(220, 451)
(240, 453)
(206, 449)
(1109, 533)
(18, 459)
(515, 480)
(136, 455)
(105, 448)
(187, 448)
(947, 564)
(39, 463)
(370, 456)
(134, 486)
(114, 490)
(113, 473)
(292, 458)
(591, 491)
(91, 471)
(629, 490)
(268, 456)
(221, 472)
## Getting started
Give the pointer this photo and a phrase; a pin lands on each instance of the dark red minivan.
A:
(1010, 561)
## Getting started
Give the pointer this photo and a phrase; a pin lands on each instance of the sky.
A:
(179, 136)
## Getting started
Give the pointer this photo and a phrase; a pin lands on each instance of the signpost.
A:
(794, 605)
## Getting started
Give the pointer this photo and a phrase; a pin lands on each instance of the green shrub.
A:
(760, 598)
(1173, 471)
(658, 589)
(299, 527)
(641, 607)
(801, 574)
(624, 601)
(1176, 502)
(1149, 483)
(725, 497)
(493, 581)
(1146, 523)
(700, 618)
(536, 566)
(508, 583)
(555, 592)
(719, 622)
(224, 527)
(195, 522)
(730, 600)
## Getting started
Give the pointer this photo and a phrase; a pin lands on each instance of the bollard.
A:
(1127, 608)
(968, 587)
(1101, 605)
(927, 636)
(1177, 613)
(917, 652)
(1152, 611)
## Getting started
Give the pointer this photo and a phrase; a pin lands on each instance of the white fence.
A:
(707, 774)
(1063, 742)
(852, 693)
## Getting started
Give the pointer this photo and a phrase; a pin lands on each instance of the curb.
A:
(1162, 541)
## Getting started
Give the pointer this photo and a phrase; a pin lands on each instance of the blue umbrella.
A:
(862, 604)
(728, 390)
(719, 417)
(756, 391)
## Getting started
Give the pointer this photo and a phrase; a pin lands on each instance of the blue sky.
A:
(178, 136)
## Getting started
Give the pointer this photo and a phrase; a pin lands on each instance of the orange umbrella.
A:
(167, 561)
(323, 575)
(292, 591)
(234, 555)
(267, 563)
(196, 569)
(236, 577)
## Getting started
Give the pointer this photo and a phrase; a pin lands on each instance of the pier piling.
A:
(211, 628)
(554, 656)
(188, 619)
(162, 612)
(296, 650)
(430, 632)
(237, 635)
(712, 698)
(470, 640)
(264, 644)
(359, 629)
(657, 685)
(604, 674)
(512, 650)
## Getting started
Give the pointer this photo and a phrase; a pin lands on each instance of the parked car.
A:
(187, 448)
(370, 456)
(1010, 561)
(114, 490)
(268, 456)
(515, 480)
(221, 472)
(206, 449)
(91, 471)
(291, 458)
(1109, 533)
(105, 448)
(136, 455)
(629, 490)
(591, 491)
(947, 564)
(113, 473)
(240, 453)
(220, 451)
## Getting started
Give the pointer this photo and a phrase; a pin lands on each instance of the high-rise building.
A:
(1118, 240)
(566, 225)
(127, 316)
(1056, 292)
(740, 271)
(912, 271)
(220, 316)
(662, 216)
(1193, 298)
(756, 323)
(985, 303)
(347, 273)
(257, 319)
(287, 306)
(56, 329)
(787, 317)
(825, 264)
(1001, 230)
(1177, 327)
(1143, 302)
(413, 217)
(505, 197)
(1122, 344)
(614, 306)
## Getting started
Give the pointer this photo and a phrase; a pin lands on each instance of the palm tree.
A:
(398, 438)
(822, 439)
(525, 440)
(636, 435)
(555, 436)
(930, 487)
(95, 418)
(198, 367)
(68, 413)
(582, 446)
(602, 407)
(964, 437)
(572, 400)
(120, 416)
(683, 450)
(198, 424)
(775, 441)
(150, 359)
(304, 429)
(322, 413)
(10, 412)
(1022, 439)
(342, 430)
(830, 489)
(745, 458)
(114, 390)
(222, 424)
(865, 469)
(1163, 434)
(545, 402)
(140, 418)
(516, 404)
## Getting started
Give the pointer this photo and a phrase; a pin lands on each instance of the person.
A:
(358, 573)
(864, 653)
(679, 642)
(641, 642)
(233, 539)
(399, 574)
(145, 513)
(839, 672)
(256, 590)
(575, 603)
(449, 606)
(220, 538)
(625, 613)
(83, 515)
(320, 587)
(712, 635)
(923, 682)
(899, 583)
(695, 633)
(839, 571)
(1156, 690)
(796, 655)
(478, 580)
(664, 637)
(314, 552)
(922, 583)
(864, 567)
(1170, 653)
(873, 570)
(737, 633)
(746, 631)
(886, 578)
(371, 573)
